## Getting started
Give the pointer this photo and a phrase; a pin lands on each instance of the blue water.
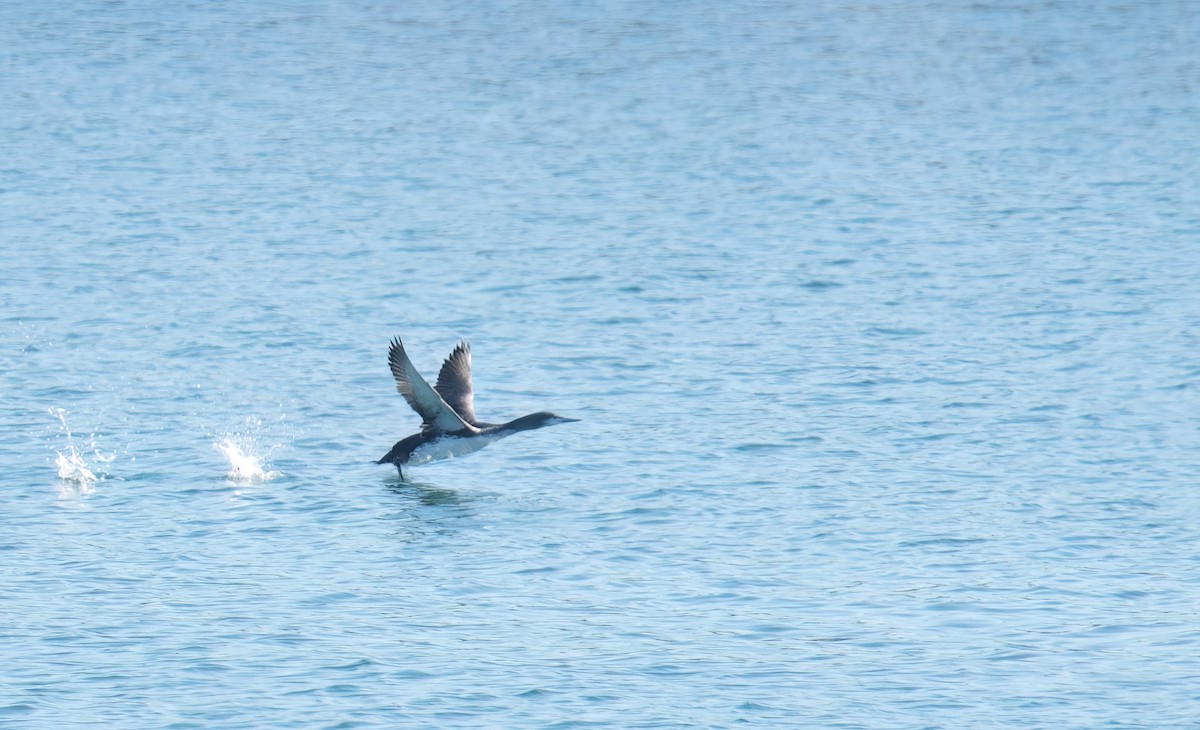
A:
(882, 321)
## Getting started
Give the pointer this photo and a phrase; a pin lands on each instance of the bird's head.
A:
(541, 419)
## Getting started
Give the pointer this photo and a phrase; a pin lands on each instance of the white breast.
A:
(448, 447)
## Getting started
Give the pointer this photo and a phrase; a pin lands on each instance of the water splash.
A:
(244, 464)
(74, 471)
(72, 468)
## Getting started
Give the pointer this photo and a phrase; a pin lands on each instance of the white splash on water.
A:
(77, 475)
(244, 464)
(72, 468)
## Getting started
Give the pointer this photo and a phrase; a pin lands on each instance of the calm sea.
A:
(881, 320)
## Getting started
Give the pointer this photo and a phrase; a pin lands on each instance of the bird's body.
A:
(421, 449)
(448, 424)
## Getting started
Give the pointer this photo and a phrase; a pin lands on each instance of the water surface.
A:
(881, 320)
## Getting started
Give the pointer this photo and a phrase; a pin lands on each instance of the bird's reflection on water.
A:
(428, 495)
(423, 510)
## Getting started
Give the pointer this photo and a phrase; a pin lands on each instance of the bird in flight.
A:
(447, 410)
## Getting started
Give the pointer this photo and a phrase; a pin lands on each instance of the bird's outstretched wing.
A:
(454, 383)
(436, 415)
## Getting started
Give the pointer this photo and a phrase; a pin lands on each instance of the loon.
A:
(448, 424)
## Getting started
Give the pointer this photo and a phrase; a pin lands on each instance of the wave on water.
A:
(244, 464)
(77, 475)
